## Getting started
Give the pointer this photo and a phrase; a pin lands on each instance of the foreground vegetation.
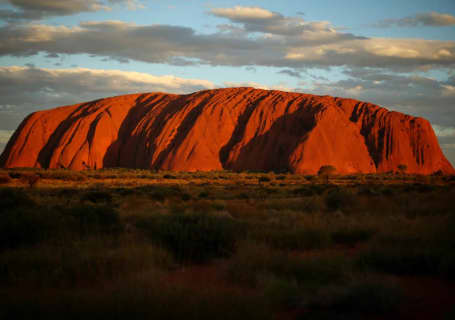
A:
(163, 245)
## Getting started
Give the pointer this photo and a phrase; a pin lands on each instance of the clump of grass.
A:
(88, 220)
(14, 198)
(364, 297)
(24, 226)
(339, 199)
(281, 292)
(98, 196)
(62, 174)
(352, 236)
(21, 227)
(289, 238)
(143, 297)
(252, 261)
(193, 237)
(90, 261)
(401, 260)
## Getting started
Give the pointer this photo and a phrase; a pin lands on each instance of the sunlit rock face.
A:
(237, 129)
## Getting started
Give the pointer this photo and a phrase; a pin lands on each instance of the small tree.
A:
(402, 168)
(326, 171)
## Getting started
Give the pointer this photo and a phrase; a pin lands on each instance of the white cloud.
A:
(241, 13)
(231, 84)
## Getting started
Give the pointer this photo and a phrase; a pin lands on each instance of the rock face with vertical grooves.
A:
(237, 129)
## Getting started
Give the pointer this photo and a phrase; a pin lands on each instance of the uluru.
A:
(234, 129)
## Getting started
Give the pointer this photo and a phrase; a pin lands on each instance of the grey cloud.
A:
(44, 88)
(39, 9)
(256, 19)
(182, 46)
(291, 73)
(413, 94)
(429, 19)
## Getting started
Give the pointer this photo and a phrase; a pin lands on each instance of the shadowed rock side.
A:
(237, 129)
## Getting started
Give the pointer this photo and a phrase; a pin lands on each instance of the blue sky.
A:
(398, 54)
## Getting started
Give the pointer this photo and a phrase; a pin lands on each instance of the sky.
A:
(399, 54)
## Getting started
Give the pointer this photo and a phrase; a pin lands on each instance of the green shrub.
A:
(192, 237)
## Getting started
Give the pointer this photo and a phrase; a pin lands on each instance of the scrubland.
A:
(135, 244)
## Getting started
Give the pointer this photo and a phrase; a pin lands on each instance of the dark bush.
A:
(14, 198)
(289, 238)
(203, 195)
(264, 179)
(339, 199)
(366, 297)
(98, 196)
(192, 237)
(351, 236)
(185, 196)
(21, 227)
(401, 260)
(88, 220)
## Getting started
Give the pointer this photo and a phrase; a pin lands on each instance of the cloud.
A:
(255, 19)
(25, 89)
(414, 94)
(5, 135)
(291, 73)
(39, 9)
(443, 131)
(314, 44)
(131, 4)
(239, 13)
(428, 19)
(233, 84)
